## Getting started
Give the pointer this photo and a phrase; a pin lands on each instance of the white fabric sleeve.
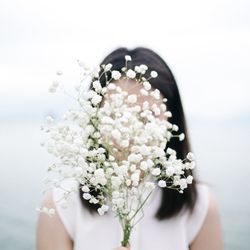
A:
(197, 217)
(66, 210)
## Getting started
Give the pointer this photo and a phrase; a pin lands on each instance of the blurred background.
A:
(205, 43)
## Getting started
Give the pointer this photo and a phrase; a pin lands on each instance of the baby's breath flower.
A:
(181, 136)
(163, 107)
(135, 177)
(133, 168)
(132, 99)
(93, 200)
(116, 75)
(118, 148)
(124, 143)
(103, 209)
(128, 182)
(131, 74)
(190, 179)
(137, 69)
(154, 74)
(86, 196)
(168, 114)
(175, 127)
(108, 67)
(116, 134)
(155, 94)
(96, 99)
(190, 156)
(183, 183)
(192, 165)
(135, 158)
(111, 86)
(162, 183)
(128, 58)
(147, 85)
(97, 86)
(170, 171)
(85, 189)
(143, 165)
(156, 171)
(143, 68)
(104, 90)
(171, 151)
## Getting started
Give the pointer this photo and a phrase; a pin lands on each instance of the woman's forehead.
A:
(133, 87)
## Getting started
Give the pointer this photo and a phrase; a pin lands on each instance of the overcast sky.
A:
(205, 43)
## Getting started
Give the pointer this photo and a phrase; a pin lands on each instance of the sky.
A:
(205, 43)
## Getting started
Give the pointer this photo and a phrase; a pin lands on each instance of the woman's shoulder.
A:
(196, 217)
(51, 232)
(66, 208)
(204, 224)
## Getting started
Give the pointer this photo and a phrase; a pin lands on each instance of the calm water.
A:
(222, 155)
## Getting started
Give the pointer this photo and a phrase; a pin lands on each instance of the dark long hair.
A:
(172, 201)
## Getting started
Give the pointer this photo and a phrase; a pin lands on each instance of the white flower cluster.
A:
(115, 145)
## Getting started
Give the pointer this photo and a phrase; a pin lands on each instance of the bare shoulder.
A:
(50, 232)
(210, 236)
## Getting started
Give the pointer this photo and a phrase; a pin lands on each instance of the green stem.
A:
(126, 234)
(141, 205)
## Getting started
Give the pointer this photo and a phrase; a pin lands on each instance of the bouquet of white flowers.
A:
(115, 143)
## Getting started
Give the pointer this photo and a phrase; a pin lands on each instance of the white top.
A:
(95, 232)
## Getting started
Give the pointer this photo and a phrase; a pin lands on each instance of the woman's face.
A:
(133, 88)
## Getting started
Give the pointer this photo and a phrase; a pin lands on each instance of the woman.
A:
(172, 221)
